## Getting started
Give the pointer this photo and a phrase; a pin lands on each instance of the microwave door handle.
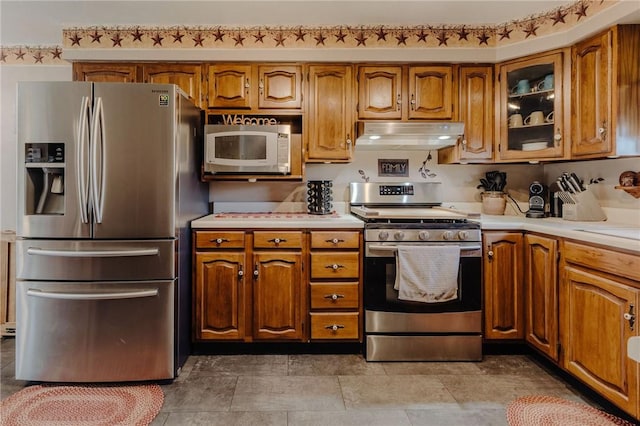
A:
(81, 159)
(97, 159)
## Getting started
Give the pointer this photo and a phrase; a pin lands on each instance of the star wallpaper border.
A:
(301, 37)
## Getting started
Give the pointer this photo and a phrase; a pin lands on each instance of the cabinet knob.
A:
(219, 241)
(246, 84)
(334, 296)
(413, 102)
(334, 327)
(241, 273)
(277, 240)
(603, 130)
(490, 254)
(335, 266)
(398, 102)
(334, 241)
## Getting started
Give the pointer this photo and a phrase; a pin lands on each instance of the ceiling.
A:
(30, 22)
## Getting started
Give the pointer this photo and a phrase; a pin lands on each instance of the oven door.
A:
(380, 275)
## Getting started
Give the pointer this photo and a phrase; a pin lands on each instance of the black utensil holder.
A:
(319, 196)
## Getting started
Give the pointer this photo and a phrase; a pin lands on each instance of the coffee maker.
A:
(537, 200)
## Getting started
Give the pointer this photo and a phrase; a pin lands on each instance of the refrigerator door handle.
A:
(97, 134)
(81, 159)
(92, 253)
(92, 296)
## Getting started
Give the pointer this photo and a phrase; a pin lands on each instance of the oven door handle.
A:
(395, 248)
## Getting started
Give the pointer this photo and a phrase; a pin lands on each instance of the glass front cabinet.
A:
(531, 121)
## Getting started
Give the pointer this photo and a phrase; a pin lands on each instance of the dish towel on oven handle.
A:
(427, 273)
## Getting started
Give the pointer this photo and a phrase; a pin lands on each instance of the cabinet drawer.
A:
(219, 239)
(334, 296)
(335, 239)
(613, 262)
(335, 265)
(334, 325)
(277, 239)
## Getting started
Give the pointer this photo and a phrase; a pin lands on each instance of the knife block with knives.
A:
(578, 202)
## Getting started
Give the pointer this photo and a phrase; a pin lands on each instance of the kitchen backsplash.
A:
(458, 181)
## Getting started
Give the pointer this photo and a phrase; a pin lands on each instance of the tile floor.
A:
(340, 390)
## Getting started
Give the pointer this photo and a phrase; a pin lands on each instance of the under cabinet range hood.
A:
(381, 135)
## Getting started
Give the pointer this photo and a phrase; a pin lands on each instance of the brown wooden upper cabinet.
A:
(329, 133)
(533, 107)
(606, 94)
(476, 108)
(255, 86)
(186, 76)
(407, 92)
(105, 72)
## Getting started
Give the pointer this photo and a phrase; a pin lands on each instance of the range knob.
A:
(463, 235)
(447, 235)
(423, 235)
(398, 235)
(383, 235)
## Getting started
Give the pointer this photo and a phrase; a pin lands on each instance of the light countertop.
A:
(278, 220)
(614, 235)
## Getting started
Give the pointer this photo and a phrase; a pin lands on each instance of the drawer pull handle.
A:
(334, 296)
(219, 241)
(334, 241)
(335, 266)
(334, 327)
(277, 240)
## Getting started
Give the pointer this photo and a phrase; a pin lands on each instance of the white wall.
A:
(9, 76)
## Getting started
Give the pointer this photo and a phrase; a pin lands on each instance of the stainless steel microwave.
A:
(247, 149)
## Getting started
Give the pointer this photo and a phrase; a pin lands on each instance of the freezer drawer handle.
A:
(93, 253)
(93, 296)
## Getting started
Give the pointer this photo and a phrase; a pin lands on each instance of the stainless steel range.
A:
(422, 274)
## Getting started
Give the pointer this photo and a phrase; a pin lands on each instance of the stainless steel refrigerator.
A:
(108, 182)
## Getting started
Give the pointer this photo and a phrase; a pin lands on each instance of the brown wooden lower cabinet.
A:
(599, 297)
(541, 293)
(254, 285)
(503, 288)
(244, 294)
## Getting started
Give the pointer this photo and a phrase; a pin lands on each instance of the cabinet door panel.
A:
(280, 86)
(277, 298)
(330, 113)
(476, 111)
(595, 335)
(219, 300)
(230, 86)
(503, 285)
(187, 77)
(379, 92)
(105, 73)
(592, 96)
(431, 92)
(541, 294)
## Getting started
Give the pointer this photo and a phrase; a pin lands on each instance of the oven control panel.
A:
(422, 235)
(396, 190)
